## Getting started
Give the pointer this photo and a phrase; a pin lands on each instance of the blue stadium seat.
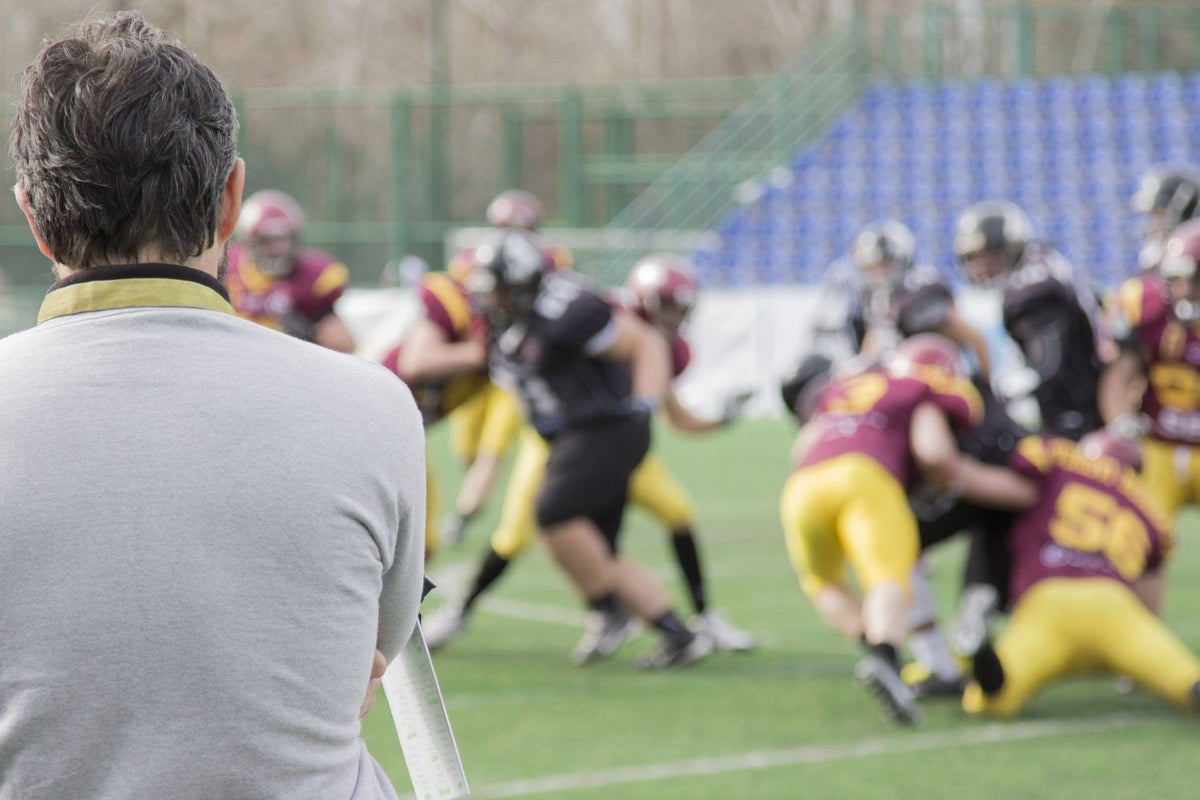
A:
(1070, 150)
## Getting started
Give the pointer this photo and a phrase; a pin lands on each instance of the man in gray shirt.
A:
(207, 529)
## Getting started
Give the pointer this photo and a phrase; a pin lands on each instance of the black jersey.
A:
(550, 357)
(1053, 321)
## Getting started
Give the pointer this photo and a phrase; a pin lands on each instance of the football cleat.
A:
(603, 635)
(935, 686)
(924, 683)
(894, 696)
(724, 634)
(444, 625)
(677, 651)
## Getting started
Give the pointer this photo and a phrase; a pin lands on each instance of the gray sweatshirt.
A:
(206, 528)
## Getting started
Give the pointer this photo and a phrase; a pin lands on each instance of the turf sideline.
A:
(767, 759)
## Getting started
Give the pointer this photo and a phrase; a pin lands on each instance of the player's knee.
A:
(678, 522)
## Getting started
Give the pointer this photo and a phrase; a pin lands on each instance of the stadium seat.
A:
(1069, 149)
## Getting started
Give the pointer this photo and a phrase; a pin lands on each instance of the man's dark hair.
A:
(122, 142)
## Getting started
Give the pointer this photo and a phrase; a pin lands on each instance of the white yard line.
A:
(535, 612)
(817, 754)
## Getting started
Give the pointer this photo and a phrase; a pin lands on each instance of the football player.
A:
(1053, 320)
(935, 670)
(589, 376)
(1167, 196)
(443, 359)
(900, 299)
(1087, 552)
(274, 281)
(1157, 373)
(484, 428)
(662, 289)
(846, 499)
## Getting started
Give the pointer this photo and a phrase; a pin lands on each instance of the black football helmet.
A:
(1166, 197)
(506, 276)
(884, 252)
(993, 226)
(1173, 190)
(801, 389)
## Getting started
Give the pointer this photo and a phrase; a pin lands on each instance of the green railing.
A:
(385, 173)
(935, 41)
(788, 110)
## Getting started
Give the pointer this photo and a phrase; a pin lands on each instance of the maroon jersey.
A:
(1170, 351)
(681, 356)
(870, 413)
(1092, 519)
(291, 303)
(445, 303)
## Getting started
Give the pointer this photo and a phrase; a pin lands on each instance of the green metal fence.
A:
(758, 137)
(942, 39)
(939, 40)
(386, 173)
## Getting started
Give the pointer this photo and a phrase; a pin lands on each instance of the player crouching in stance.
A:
(846, 499)
(1087, 553)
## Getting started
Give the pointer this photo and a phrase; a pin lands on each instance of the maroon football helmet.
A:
(928, 350)
(1104, 442)
(664, 289)
(1181, 256)
(270, 225)
(515, 208)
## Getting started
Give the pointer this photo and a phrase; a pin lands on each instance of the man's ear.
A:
(23, 202)
(231, 202)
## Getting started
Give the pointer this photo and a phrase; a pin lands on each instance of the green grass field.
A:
(785, 721)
